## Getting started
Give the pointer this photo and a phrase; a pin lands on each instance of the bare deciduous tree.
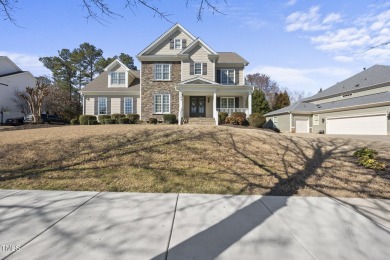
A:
(264, 83)
(100, 9)
(34, 97)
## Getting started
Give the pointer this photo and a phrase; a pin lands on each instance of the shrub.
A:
(367, 159)
(170, 119)
(134, 118)
(109, 121)
(231, 120)
(257, 120)
(240, 118)
(103, 117)
(123, 120)
(74, 121)
(222, 117)
(87, 120)
(117, 116)
(152, 120)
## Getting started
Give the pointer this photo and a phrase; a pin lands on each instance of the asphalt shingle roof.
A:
(101, 84)
(231, 57)
(350, 102)
(375, 75)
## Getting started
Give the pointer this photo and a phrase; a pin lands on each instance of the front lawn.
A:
(190, 159)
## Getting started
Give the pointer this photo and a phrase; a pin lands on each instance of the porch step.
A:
(201, 121)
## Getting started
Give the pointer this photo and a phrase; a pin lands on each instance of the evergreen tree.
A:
(282, 100)
(259, 102)
(126, 59)
(89, 57)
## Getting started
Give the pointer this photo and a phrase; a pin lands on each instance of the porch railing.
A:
(232, 110)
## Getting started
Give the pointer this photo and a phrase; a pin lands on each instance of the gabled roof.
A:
(6, 59)
(198, 80)
(197, 42)
(165, 36)
(116, 62)
(373, 99)
(101, 84)
(375, 75)
(231, 57)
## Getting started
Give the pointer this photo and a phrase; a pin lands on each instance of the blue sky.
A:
(302, 44)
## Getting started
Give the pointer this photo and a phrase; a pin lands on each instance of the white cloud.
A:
(291, 2)
(311, 20)
(354, 37)
(27, 62)
(308, 80)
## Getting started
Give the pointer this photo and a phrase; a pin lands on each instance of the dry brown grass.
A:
(163, 158)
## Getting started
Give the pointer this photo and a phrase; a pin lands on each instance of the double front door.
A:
(197, 106)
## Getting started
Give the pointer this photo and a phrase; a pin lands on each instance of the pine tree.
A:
(282, 100)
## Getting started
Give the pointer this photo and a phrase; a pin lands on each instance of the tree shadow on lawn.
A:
(215, 239)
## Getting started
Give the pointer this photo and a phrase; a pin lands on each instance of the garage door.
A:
(302, 125)
(358, 125)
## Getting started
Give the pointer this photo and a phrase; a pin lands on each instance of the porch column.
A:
(250, 103)
(180, 107)
(215, 114)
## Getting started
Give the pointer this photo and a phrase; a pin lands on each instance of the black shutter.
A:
(237, 77)
(236, 102)
(218, 76)
(204, 68)
(192, 68)
(184, 43)
(96, 107)
(122, 104)
(218, 102)
(108, 106)
(171, 44)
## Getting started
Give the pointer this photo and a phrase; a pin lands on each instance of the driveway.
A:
(371, 138)
(101, 225)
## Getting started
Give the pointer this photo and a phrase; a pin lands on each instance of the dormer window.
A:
(118, 78)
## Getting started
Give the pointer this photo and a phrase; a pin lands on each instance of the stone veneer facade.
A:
(150, 87)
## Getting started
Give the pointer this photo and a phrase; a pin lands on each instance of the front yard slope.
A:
(190, 159)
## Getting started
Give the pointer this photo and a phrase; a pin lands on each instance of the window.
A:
(316, 119)
(162, 72)
(178, 44)
(198, 69)
(128, 105)
(275, 120)
(162, 104)
(118, 78)
(228, 76)
(102, 103)
(227, 102)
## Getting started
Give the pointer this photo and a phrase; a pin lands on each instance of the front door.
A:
(197, 106)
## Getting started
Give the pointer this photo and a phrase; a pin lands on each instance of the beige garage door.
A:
(358, 125)
(301, 125)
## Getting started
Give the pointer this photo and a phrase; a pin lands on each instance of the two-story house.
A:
(12, 78)
(359, 105)
(180, 74)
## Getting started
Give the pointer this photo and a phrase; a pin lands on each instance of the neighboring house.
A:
(115, 91)
(357, 105)
(12, 78)
(182, 75)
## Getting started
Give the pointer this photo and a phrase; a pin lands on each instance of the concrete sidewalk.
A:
(93, 225)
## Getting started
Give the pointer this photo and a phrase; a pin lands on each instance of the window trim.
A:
(201, 68)
(227, 102)
(181, 43)
(162, 104)
(234, 76)
(316, 121)
(124, 105)
(275, 120)
(105, 99)
(162, 71)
